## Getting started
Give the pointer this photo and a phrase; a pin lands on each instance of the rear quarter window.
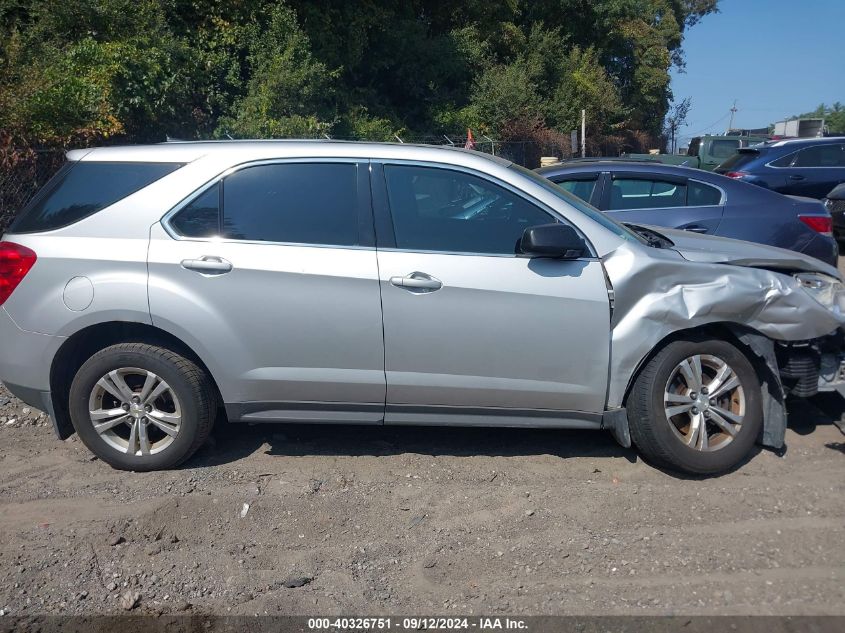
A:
(81, 189)
(783, 161)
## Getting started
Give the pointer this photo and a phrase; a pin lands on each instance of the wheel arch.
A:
(758, 348)
(724, 330)
(83, 344)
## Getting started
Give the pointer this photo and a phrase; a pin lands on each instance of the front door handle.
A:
(417, 281)
(208, 264)
(796, 177)
(696, 228)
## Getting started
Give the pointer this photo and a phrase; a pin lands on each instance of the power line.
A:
(714, 124)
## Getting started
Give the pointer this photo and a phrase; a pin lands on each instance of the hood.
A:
(722, 250)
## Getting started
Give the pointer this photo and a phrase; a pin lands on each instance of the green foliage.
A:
(289, 92)
(69, 75)
(88, 70)
(363, 126)
(586, 84)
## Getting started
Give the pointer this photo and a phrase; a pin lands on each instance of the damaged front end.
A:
(811, 367)
(787, 310)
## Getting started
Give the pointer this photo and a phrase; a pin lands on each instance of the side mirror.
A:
(560, 241)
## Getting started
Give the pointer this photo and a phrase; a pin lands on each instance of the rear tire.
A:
(141, 407)
(696, 416)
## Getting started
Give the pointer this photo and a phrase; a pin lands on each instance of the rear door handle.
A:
(208, 264)
(796, 177)
(417, 281)
(695, 228)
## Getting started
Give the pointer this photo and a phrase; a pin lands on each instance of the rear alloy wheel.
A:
(141, 407)
(696, 407)
(135, 411)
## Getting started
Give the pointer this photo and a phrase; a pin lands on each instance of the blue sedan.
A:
(701, 202)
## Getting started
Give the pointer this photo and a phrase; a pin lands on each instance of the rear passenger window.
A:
(700, 195)
(303, 203)
(581, 188)
(639, 193)
(83, 188)
(821, 156)
(201, 217)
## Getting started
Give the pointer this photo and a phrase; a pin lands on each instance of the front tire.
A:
(696, 407)
(141, 407)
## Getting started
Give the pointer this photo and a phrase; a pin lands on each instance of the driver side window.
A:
(444, 210)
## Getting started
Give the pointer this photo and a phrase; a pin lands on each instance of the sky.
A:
(777, 58)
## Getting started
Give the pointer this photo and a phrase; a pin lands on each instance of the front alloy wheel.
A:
(696, 406)
(704, 402)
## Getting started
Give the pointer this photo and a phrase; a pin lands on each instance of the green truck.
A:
(705, 152)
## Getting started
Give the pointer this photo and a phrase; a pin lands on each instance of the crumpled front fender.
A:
(664, 293)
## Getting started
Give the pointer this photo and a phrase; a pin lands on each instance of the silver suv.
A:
(146, 290)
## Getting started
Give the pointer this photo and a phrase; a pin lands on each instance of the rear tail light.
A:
(819, 223)
(15, 262)
(736, 174)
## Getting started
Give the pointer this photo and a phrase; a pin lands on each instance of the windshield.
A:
(587, 209)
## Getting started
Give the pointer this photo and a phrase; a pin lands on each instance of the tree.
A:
(675, 119)
(93, 71)
(289, 93)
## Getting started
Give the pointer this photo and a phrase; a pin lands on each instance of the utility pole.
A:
(583, 133)
(731, 124)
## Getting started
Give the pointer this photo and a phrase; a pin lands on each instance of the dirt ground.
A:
(419, 521)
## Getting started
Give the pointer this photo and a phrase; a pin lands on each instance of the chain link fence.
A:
(525, 153)
(23, 171)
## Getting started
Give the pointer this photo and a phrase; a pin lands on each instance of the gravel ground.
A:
(345, 520)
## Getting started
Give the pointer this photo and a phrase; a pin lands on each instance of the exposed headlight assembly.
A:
(826, 290)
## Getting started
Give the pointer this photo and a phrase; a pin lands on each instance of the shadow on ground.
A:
(231, 442)
(824, 409)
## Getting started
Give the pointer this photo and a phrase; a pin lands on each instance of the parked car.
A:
(803, 166)
(834, 202)
(330, 282)
(701, 202)
(706, 152)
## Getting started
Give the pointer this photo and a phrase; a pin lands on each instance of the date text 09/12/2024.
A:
(416, 623)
